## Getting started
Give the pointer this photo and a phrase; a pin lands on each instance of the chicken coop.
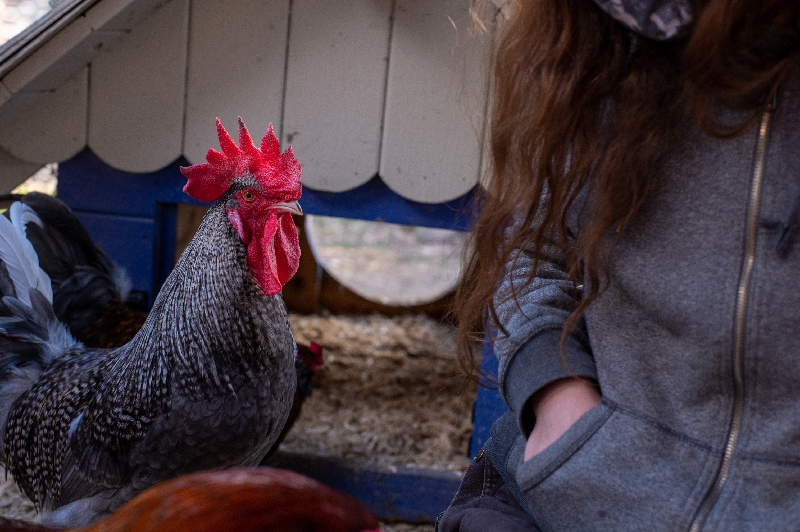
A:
(383, 101)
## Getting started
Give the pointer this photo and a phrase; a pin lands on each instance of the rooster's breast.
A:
(225, 429)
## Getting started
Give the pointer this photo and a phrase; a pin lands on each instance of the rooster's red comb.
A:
(277, 173)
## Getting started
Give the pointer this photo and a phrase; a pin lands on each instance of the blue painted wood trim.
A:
(488, 405)
(406, 494)
(375, 201)
(166, 228)
(87, 183)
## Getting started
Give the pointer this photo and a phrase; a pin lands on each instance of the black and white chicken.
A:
(208, 381)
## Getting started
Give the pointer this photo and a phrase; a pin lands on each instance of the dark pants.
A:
(486, 502)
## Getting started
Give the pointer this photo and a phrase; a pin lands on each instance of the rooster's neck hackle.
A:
(222, 314)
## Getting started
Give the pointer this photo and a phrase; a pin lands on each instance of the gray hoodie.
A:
(695, 345)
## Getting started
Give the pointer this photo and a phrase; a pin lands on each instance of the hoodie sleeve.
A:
(529, 355)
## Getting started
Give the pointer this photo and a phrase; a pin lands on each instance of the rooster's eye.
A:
(248, 196)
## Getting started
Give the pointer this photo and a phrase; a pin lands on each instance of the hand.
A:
(557, 407)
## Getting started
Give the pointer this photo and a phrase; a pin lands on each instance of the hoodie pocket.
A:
(613, 470)
(540, 466)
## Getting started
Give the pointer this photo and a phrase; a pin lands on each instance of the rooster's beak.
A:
(287, 206)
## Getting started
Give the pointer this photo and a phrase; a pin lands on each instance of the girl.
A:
(635, 254)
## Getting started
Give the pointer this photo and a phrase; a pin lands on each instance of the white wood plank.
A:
(72, 47)
(237, 52)
(49, 76)
(120, 15)
(137, 93)
(54, 129)
(335, 89)
(435, 102)
(17, 105)
(36, 66)
(13, 171)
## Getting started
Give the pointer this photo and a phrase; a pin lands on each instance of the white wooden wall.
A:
(357, 87)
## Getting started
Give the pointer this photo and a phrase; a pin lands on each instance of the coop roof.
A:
(356, 88)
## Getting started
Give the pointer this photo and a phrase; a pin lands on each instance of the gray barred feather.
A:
(206, 383)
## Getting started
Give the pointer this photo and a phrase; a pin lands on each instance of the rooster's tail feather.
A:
(30, 335)
(84, 278)
(19, 258)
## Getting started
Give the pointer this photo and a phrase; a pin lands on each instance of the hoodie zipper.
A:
(740, 316)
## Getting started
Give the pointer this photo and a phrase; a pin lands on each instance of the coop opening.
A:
(398, 265)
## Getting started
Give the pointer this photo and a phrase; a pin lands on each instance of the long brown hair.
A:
(579, 104)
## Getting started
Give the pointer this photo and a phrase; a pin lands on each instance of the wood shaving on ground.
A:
(392, 394)
(13, 503)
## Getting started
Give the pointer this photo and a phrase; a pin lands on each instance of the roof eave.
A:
(21, 46)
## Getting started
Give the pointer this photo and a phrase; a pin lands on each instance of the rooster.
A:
(89, 290)
(207, 383)
(240, 499)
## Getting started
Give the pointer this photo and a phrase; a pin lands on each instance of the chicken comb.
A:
(277, 173)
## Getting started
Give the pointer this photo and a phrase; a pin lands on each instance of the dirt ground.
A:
(391, 394)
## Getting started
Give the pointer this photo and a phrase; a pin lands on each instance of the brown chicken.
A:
(242, 500)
